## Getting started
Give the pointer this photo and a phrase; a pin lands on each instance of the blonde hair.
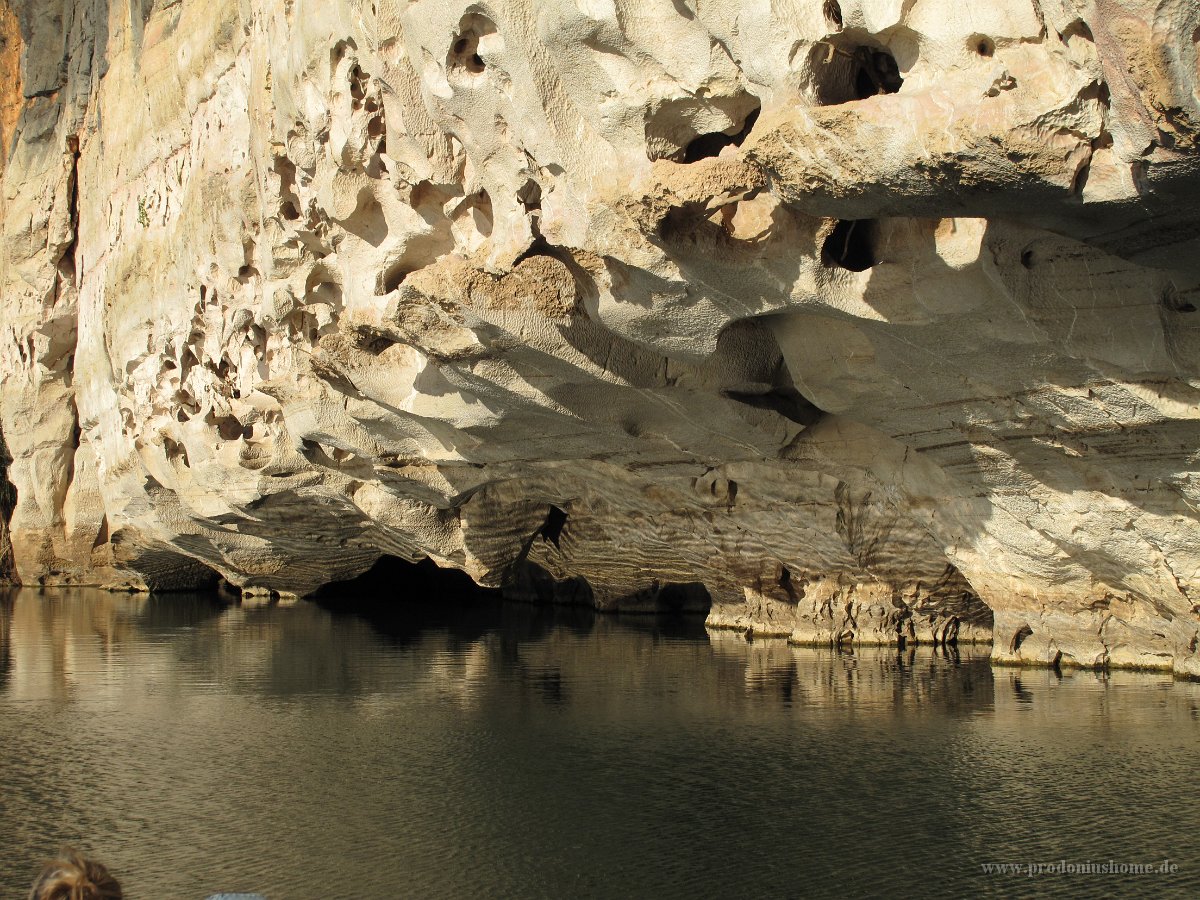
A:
(72, 876)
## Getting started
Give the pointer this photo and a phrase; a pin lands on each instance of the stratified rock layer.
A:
(851, 322)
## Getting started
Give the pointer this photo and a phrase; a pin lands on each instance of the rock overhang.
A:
(877, 322)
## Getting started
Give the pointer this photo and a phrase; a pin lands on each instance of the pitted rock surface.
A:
(846, 321)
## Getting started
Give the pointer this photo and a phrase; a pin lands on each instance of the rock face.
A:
(849, 322)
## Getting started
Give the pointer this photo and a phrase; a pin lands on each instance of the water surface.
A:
(501, 750)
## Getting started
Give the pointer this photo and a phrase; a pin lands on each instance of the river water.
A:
(502, 750)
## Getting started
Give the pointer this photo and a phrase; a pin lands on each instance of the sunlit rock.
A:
(857, 322)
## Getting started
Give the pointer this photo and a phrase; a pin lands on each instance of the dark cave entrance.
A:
(392, 580)
(690, 598)
(843, 71)
(852, 245)
(403, 601)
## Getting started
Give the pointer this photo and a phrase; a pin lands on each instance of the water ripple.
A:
(511, 752)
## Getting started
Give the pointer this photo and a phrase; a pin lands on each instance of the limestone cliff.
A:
(860, 321)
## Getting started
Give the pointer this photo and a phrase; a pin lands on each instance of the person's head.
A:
(72, 876)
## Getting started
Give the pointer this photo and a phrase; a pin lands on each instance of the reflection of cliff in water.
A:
(594, 663)
(405, 744)
(60, 641)
(955, 680)
(7, 599)
(71, 643)
(163, 615)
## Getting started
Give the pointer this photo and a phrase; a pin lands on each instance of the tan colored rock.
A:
(851, 332)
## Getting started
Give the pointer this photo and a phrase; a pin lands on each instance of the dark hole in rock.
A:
(689, 597)
(681, 223)
(1080, 29)
(877, 73)
(1019, 638)
(552, 528)
(374, 342)
(392, 579)
(530, 196)
(464, 54)
(390, 279)
(785, 582)
(843, 72)
(377, 345)
(229, 428)
(289, 210)
(982, 45)
(709, 145)
(864, 86)
(851, 245)
(1028, 259)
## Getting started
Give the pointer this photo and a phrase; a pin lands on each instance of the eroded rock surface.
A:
(855, 322)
